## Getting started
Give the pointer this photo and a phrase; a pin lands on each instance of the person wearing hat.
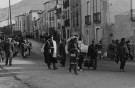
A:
(122, 53)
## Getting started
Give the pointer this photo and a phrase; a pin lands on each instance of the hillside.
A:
(22, 7)
(118, 7)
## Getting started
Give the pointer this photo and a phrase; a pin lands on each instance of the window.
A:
(88, 19)
(65, 3)
(97, 17)
(77, 19)
(68, 33)
(97, 11)
(73, 19)
(20, 23)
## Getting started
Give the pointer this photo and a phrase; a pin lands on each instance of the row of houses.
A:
(86, 18)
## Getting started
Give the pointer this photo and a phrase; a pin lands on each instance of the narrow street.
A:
(33, 73)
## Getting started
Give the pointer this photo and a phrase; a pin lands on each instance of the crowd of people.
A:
(69, 47)
(26, 47)
(9, 48)
(119, 52)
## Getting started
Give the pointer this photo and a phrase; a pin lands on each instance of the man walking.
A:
(8, 46)
(50, 50)
(122, 53)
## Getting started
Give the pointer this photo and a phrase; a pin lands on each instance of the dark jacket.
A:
(1, 46)
(8, 46)
(122, 50)
(92, 51)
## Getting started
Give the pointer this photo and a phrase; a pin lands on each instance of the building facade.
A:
(75, 14)
(32, 17)
(94, 20)
(124, 27)
(66, 19)
(20, 23)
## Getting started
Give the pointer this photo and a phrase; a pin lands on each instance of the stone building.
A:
(94, 20)
(32, 16)
(20, 23)
(75, 13)
(67, 19)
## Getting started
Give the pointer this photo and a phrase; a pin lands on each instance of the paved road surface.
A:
(33, 73)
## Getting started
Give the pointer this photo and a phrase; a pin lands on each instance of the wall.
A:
(89, 31)
(123, 27)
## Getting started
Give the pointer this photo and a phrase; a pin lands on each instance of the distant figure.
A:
(113, 50)
(99, 46)
(29, 45)
(129, 49)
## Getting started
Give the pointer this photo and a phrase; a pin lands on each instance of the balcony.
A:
(88, 19)
(50, 18)
(58, 10)
(53, 18)
(97, 17)
(67, 23)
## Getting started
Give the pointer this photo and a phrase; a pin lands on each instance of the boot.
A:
(54, 66)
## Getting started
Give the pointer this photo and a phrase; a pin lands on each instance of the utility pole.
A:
(10, 16)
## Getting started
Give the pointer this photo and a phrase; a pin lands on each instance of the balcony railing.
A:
(58, 10)
(51, 18)
(88, 19)
(67, 23)
(97, 17)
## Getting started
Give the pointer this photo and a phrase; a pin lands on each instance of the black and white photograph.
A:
(67, 43)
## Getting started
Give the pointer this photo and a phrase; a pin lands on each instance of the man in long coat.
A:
(50, 49)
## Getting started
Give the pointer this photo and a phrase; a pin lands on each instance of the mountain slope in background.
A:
(22, 7)
(117, 7)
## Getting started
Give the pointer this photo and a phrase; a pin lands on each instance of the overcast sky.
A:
(5, 3)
